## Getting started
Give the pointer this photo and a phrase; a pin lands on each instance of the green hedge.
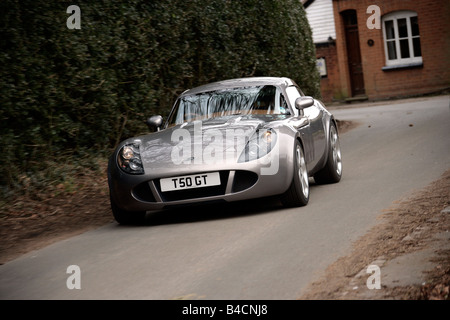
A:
(72, 93)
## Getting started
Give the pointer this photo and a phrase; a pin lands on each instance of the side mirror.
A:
(155, 123)
(304, 102)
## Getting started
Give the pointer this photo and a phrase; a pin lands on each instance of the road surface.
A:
(255, 249)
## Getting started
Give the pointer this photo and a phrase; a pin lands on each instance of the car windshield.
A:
(226, 102)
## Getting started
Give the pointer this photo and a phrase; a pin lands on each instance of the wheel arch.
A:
(328, 121)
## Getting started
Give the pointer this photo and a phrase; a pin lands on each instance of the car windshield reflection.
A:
(227, 102)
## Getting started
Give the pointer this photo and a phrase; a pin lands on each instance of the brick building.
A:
(321, 20)
(382, 48)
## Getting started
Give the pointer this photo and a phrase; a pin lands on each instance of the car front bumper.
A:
(239, 181)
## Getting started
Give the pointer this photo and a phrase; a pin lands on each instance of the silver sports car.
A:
(227, 141)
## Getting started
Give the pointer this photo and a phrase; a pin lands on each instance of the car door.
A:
(315, 115)
(302, 123)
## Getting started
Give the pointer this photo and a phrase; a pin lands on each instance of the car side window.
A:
(284, 108)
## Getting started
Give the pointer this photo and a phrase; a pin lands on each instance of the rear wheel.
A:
(298, 193)
(332, 172)
(127, 217)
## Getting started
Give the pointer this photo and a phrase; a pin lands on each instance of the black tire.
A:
(127, 217)
(332, 172)
(298, 193)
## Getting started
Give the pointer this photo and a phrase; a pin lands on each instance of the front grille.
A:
(195, 192)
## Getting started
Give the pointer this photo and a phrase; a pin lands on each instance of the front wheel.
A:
(332, 172)
(298, 193)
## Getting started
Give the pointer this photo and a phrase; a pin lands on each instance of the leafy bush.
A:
(73, 93)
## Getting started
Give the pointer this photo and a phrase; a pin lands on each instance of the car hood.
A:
(210, 141)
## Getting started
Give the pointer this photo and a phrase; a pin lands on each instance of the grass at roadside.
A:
(64, 199)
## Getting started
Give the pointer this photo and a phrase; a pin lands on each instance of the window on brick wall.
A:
(402, 39)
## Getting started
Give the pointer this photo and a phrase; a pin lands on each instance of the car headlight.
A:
(129, 159)
(260, 144)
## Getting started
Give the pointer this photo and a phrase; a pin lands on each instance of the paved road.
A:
(256, 249)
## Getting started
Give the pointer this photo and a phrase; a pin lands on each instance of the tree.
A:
(77, 92)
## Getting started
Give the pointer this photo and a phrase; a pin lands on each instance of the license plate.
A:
(191, 181)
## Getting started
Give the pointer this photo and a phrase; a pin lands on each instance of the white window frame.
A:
(395, 16)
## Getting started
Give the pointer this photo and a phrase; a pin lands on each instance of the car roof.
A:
(241, 82)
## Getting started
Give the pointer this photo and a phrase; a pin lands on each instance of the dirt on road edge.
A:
(411, 247)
